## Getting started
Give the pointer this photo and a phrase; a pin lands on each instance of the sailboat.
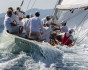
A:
(25, 43)
(9, 38)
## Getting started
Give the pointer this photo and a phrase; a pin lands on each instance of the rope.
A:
(28, 5)
(80, 12)
(55, 8)
(81, 21)
(81, 40)
(21, 3)
(80, 24)
(33, 4)
(83, 37)
(62, 14)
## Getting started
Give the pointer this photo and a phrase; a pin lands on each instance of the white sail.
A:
(72, 2)
(70, 6)
(75, 18)
(66, 5)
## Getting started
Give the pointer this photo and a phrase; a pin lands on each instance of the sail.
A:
(69, 7)
(73, 2)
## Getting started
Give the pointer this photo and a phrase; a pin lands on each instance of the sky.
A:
(40, 4)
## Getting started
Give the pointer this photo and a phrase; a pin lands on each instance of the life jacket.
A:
(66, 40)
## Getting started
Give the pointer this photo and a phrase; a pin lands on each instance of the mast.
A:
(56, 11)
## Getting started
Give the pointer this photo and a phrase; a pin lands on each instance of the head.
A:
(27, 16)
(48, 18)
(64, 23)
(18, 8)
(71, 31)
(37, 14)
(10, 9)
(20, 18)
(15, 13)
(9, 13)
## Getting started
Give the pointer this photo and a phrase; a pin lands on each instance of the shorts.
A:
(35, 35)
(14, 30)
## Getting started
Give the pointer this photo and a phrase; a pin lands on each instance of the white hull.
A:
(19, 43)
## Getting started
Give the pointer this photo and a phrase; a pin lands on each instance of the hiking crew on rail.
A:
(32, 27)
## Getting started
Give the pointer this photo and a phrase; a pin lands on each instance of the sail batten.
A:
(69, 7)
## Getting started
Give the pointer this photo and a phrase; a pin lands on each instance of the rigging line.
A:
(61, 16)
(81, 40)
(83, 37)
(28, 5)
(54, 18)
(21, 3)
(71, 17)
(55, 7)
(33, 4)
(80, 24)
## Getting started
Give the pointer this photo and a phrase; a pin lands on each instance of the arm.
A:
(61, 30)
(22, 12)
(41, 26)
(12, 24)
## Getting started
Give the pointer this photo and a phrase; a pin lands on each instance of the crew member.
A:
(64, 28)
(46, 21)
(36, 27)
(26, 24)
(13, 14)
(20, 13)
(9, 24)
(68, 38)
(20, 24)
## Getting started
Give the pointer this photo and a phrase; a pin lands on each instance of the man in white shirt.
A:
(46, 21)
(36, 27)
(64, 28)
(14, 16)
(47, 32)
(26, 24)
(9, 25)
(20, 13)
(20, 24)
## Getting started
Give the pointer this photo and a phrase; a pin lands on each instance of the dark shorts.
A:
(13, 30)
(35, 35)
